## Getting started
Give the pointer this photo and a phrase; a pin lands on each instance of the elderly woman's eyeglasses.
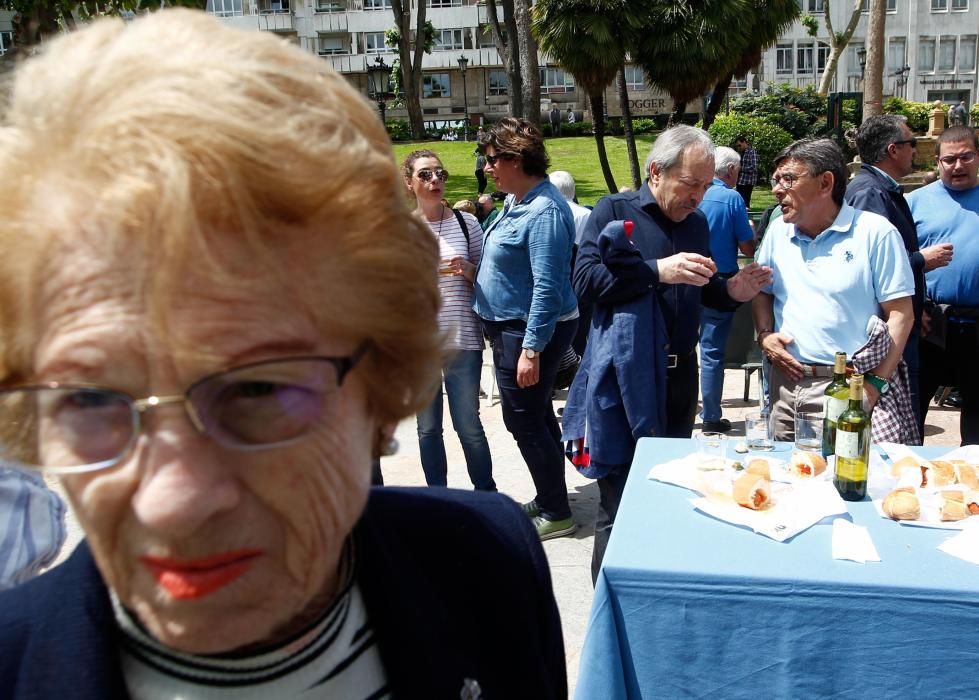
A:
(439, 174)
(65, 428)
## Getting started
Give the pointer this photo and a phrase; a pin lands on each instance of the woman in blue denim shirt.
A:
(528, 308)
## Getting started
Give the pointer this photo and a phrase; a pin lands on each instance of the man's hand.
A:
(749, 281)
(528, 370)
(773, 345)
(937, 256)
(686, 268)
(870, 396)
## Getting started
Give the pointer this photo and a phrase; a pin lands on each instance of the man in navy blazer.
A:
(455, 583)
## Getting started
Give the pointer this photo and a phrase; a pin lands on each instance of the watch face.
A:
(531, 354)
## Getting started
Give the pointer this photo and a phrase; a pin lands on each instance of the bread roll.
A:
(942, 473)
(954, 510)
(967, 475)
(807, 464)
(907, 462)
(902, 504)
(752, 491)
(760, 467)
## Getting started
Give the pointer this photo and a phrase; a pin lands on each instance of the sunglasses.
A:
(65, 428)
(439, 174)
(966, 158)
(913, 141)
(503, 156)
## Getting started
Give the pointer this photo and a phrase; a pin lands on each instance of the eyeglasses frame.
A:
(966, 159)
(426, 174)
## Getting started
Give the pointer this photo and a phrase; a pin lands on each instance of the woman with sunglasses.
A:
(208, 332)
(528, 308)
(460, 241)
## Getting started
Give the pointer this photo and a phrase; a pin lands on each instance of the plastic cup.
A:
(758, 431)
(711, 450)
(809, 432)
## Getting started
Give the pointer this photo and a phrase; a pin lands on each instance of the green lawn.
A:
(579, 156)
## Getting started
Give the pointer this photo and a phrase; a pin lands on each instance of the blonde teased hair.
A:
(172, 131)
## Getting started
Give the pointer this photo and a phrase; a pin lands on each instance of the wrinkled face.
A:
(679, 190)
(801, 196)
(956, 173)
(425, 182)
(212, 548)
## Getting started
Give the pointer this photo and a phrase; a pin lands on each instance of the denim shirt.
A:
(525, 271)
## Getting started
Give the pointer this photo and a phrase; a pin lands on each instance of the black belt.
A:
(674, 361)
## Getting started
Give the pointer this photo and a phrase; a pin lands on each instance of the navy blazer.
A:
(455, 583)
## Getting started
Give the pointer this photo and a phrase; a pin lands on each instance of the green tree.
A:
(588, 38)
(410, 58)
(838, 41)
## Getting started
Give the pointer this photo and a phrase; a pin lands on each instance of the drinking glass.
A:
(809, 432)
(711, 450)
(758, 431)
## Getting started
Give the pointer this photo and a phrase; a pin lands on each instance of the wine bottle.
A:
(852, 446)
(834, 404)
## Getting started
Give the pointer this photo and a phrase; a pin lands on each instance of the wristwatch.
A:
(879, 383)
(531, 353)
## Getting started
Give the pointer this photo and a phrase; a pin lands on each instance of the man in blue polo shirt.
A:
(835, 267)
(947, 212)
(730, 232)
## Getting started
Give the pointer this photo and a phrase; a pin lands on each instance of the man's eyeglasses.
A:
(913, 141)
(785, 180)
(439, 173)
(502, 156)
(966, 158)
(68, 428)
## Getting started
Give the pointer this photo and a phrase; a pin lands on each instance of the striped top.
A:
(335, 657)
(456, 318)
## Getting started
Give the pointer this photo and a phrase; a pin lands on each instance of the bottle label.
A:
(834, 408)
(847, 444)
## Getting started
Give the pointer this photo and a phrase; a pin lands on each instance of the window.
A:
(811, 5)
(498, 83)
(435, 85)
(555, 80)
(783, 59)
(331, 45)
(445, 3)
(224, 8)
(891, 6)
(377, 4)
(274, 7)
(804, 58)
(448, 39)
(895, 54)
(939, 5)
(374, 42)
(960, 5)
(926, 54)
(635, 78)
(6, 41)
(485, 34)
(946, 53)
(967, 53)
(330, 6)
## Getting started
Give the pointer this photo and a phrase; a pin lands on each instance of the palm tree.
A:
(589, 39)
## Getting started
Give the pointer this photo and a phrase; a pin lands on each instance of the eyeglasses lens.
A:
(965, 158)
(439, 173)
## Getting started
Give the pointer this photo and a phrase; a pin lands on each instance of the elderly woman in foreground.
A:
(209, 329)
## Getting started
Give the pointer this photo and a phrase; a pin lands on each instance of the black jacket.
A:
(455, 583)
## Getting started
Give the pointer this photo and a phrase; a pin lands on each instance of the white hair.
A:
(670, 147)
(564, 183)
(724, 158)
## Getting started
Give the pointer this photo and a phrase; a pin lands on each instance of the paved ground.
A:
(570, 557)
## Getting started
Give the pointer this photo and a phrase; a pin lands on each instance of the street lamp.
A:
(862, 59)
(463, 62)
(379, 80)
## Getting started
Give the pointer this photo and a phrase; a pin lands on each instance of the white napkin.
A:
(964, 545)
(797, 507)
(853, 542)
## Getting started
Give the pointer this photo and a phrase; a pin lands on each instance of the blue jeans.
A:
(528, 413)
(462, 387)
(715, 326)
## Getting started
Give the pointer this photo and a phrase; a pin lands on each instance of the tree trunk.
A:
(598, 120)
(717, 99)
(508, 51)
(837, 43)
(676, 116)
(630, 138)
(411, 61)
(529, 71)
(873, 85)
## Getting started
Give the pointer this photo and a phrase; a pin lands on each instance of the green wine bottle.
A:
(834, 404)
(853, 446)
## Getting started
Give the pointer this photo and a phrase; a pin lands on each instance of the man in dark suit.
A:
(887, 149)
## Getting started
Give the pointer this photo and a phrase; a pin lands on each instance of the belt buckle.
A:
(671, 362)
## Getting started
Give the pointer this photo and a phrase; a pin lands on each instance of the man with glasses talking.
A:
(947, 213)
(887, 149)
(835, 268)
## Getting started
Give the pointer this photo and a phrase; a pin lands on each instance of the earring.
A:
(389, 446)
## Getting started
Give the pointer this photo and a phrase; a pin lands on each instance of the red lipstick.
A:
(187, 579)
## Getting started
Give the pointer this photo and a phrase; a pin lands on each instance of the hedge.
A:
(767, 139)
(915, 112)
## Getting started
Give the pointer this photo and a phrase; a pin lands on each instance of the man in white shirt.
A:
(565, 184)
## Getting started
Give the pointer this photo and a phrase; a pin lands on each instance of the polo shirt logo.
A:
(848, 256)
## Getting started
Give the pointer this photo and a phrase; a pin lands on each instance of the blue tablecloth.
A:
(689, 606)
